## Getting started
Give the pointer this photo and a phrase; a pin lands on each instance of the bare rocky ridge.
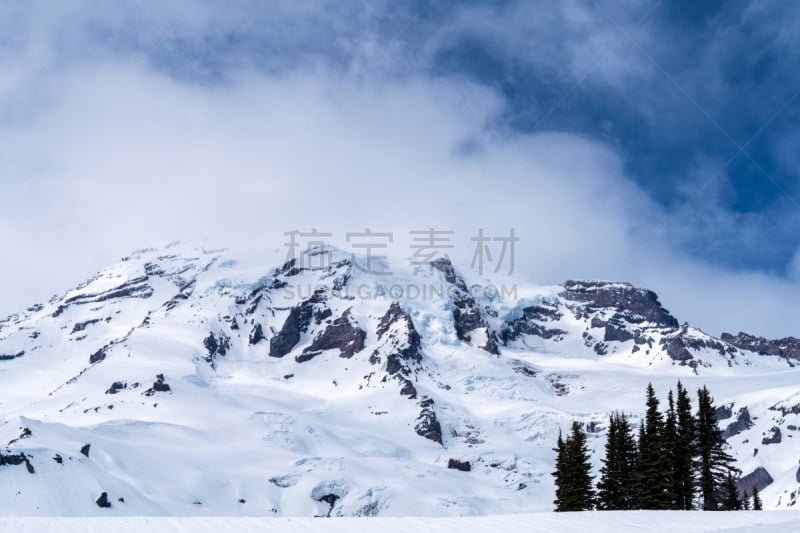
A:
(468, 317)
(788, 347)
(631, 304)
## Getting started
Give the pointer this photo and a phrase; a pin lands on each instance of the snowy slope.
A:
(208, 382)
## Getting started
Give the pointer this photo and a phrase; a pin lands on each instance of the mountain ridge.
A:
(342, 403)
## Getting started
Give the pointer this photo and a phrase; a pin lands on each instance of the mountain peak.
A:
(326, 372)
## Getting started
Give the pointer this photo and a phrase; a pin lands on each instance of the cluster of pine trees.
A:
(677, 461)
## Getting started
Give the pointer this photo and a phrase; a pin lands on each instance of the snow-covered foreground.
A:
(639, 521)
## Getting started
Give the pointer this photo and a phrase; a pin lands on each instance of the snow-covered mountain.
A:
(188, 381)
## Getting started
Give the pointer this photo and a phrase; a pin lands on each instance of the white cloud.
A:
(109, 156)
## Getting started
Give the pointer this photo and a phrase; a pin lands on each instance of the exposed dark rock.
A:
(25, 434)
(797, 475)
(297, 322)
(330, 499)
(9, 357)
(724, 412)
(98, 356)
(217, 345)
(559, 387)
(135, 288)
(16, 459)
(526, 369)
(528, 324)
(153, 269)
(234, 325)
(467, 316)
(289, 268)
(85, 449)
(390, 317)
(598, 323)
(306, 356)
(445, 266)
(283, 482)
(759, 478)
(543, 313)
(676, 349)
(256, 335)
(80, 326)
(116, 387)
(600, 348)
(615, 333)
(455, 464)
(343, 334)
(184, 293)
(102, 501)
(403, 345)
(57, 458)
(427, 424)
(636, 305)
(788, 347)
(773, 437)
(408, 389)
(344, 269)
(785, 408)
(742, 423)
(159, 385)
(253, 305)
(322, 315)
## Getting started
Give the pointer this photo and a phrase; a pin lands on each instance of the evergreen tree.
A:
(670, 442)
(574, 491)
(731, 502)
(684, 484)
(615, 489)
(715, 462)
(756, 499)
(746, 501)
(652, 465)
(638, 480)
(560, 475)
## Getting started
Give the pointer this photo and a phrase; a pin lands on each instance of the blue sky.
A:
(650, 141)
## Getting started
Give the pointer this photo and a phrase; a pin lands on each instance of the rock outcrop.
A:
(342, 334)
(428, 425)
(468, 319)
(788, 347)
(633, 304)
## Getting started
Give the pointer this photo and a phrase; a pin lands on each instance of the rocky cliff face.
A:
(630, 304)
(788, 347)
